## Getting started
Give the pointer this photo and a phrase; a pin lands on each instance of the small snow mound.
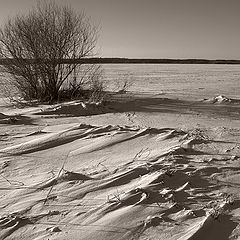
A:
(219, 99)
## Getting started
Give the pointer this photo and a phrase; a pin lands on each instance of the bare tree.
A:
(43, 46)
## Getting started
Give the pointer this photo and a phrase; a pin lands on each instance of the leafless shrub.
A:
(87, 84)
(124, 83)
(114, 198)
(97, 86)
(10, 93)
(42, 48)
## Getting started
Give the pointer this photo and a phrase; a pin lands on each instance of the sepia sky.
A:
(157, 28)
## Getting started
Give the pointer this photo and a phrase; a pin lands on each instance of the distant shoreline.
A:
(126, 61)
(159, 61)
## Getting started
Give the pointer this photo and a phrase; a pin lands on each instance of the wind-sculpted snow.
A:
(111, 182)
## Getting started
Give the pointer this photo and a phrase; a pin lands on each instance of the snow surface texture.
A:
(131, 175)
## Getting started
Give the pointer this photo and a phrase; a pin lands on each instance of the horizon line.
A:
(120, 60)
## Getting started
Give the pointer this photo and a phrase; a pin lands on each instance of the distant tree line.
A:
(122, 61)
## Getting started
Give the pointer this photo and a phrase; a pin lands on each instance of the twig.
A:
(11, 182)
(59, 172)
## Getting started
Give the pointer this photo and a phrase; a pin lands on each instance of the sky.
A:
(180, 29)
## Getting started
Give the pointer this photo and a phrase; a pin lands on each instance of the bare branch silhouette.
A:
(43, 46)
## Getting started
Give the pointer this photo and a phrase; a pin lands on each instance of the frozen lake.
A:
(196, 81)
